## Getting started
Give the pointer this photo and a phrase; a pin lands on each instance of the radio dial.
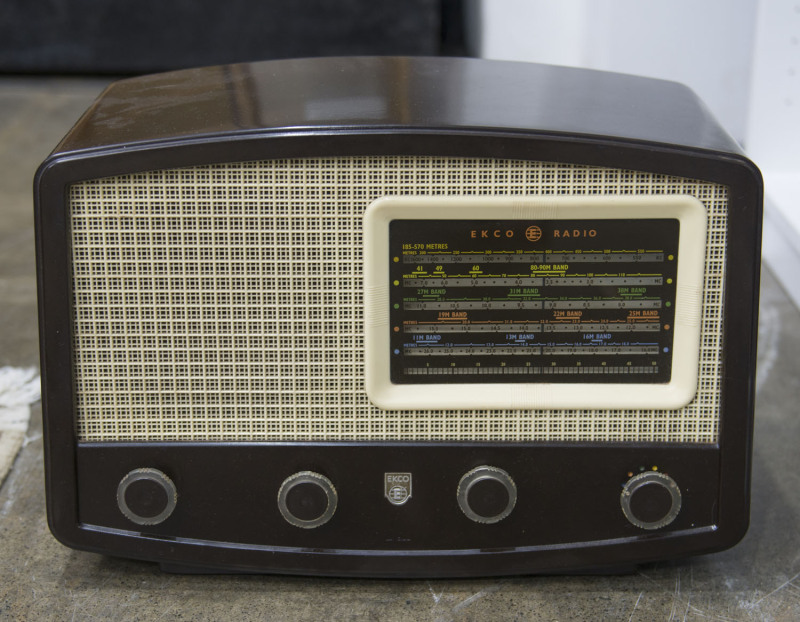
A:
(651, 500)
(307, 499)
(486, 494)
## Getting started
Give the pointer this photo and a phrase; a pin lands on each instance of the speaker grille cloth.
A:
(225, 303)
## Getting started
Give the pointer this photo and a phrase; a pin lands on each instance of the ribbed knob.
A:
(486, 494)
(651, 500)
(146, 496)
(307, 499)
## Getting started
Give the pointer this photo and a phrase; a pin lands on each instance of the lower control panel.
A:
(397, 497)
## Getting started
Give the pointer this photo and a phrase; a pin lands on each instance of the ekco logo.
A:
(397, 487)
(533, 233)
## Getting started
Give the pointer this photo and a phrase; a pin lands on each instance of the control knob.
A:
(486, 494)
(651, 500)
(146, 496)
(307, 499)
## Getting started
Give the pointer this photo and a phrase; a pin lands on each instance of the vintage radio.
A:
(398, 317)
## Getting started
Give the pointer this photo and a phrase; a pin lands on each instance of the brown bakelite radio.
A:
(398, 317)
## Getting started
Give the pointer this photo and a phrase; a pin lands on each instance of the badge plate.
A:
(397, 487)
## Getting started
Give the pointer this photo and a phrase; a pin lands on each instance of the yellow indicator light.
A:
(655, 468)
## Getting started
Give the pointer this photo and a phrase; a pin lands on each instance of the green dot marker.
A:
(669, 304)
(396, 306)
(396, 283)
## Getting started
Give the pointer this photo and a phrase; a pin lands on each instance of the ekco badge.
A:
(397, 487)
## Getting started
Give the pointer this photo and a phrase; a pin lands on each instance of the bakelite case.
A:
(566, 507)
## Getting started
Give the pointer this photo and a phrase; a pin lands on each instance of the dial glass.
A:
(564, 301)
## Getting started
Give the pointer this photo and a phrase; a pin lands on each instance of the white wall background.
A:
(706, 44)
(742, 57)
